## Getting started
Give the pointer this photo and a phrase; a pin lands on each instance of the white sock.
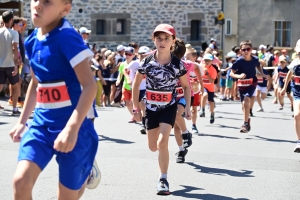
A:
(185, 132)
(163, 176)
(181, 148)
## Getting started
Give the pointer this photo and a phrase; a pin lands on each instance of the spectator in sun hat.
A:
(262, 50)
(85, 34)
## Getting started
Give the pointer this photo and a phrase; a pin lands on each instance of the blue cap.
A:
(208, 56)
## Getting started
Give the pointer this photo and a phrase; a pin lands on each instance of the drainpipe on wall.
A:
(223, 38)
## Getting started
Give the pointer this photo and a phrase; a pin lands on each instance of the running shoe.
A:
(269, 95)
(20, 104)
(212, 118)
(251, 113)
(281, 107)
(143, 131)
(297, 148)
(163, 187)
(132, 121)
(194, 129)
(244, 128)
(260, 110)
(187, 140)
(94, 177)
(202, 113)
(9, 102)
(181, 156)
(275, 101)
(15, 113)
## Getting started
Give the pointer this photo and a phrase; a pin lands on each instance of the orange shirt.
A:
(213, 74)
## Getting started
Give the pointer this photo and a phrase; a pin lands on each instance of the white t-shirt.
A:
(133, 67)
(7, 38)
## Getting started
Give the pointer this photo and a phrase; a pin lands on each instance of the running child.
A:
(61, 91)
(261, 88)
(182, 135)
(295, 73)
(281, 78)
(162, 70)
(209, 77)
(244, 69)
(196, 86)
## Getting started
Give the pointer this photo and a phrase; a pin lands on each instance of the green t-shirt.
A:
(123, 66)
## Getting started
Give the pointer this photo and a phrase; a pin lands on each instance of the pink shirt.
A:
(189, 66)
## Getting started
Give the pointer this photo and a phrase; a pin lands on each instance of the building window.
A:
(282, 33)
(120, 26)
(100, 27)
(195, 29)
(228, 27)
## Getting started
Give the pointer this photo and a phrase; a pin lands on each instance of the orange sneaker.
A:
(9, 102)
(20, 104)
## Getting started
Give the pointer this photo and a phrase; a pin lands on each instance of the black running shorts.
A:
(154, 118)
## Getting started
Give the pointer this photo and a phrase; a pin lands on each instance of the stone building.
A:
(265, 22)
(116, 22)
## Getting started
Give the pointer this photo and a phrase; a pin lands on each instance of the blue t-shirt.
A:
(295, 83)
(52, 58)
(282, 73)
(247, 67)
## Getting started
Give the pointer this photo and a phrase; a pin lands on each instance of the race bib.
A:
(179, 91)
(52, 95)
(260, 80)
(245, 82)
(158, 97)
(283, 75)
(297, 80)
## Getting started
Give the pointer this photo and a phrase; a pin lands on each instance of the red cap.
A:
(283, 50)
(166, 28)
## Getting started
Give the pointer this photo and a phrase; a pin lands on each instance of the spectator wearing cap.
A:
(254, 52)
(120, 57)
(284, 53)
(9, 40)
(213, 44)
(85, 34)
(262, 51)
(107, 53)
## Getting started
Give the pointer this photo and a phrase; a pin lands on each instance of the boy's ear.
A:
(67, 9)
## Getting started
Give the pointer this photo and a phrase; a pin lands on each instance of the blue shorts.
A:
(182, 102)
(247, 92)
(222, 82)
(74, 167)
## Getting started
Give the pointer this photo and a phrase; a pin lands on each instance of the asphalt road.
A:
(222, 163)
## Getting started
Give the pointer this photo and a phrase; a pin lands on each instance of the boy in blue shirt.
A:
(244, 69)
(61, 91)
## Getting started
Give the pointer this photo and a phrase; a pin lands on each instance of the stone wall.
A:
(141, 18)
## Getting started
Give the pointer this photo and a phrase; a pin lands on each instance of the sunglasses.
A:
(20, 24)
(247, 49)
(128, 54)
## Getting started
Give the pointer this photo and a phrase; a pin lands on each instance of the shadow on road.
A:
(221, 172)
(119, 141)
(186, 193)
(269, 139)
(229, 118)
(1, 123)
(223, 126)
(218, 136)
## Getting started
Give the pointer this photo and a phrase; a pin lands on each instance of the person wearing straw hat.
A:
(294, 68)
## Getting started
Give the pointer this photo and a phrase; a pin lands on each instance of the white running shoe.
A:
(94, 177)
(260, 110)
(297, 148)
